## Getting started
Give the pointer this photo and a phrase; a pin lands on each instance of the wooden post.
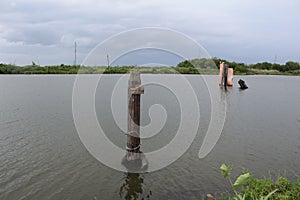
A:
(134, 160)
(230, 77)
(225, 76)
(221, 73)
(135, 89)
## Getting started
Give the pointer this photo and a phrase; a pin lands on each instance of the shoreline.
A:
(196, 66)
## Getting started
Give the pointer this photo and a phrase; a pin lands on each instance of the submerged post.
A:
(226, 75)
(134, 157)
(221, 73)
(135, 89)
(230, 76)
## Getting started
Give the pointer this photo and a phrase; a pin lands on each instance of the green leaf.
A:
(240, 197)
(225, 170)
(241, 180)
(268, 196)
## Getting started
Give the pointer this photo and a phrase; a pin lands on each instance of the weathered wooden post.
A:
(226, 75)
(230, 76)
(134, 158)
(221, 73)
(135, 89)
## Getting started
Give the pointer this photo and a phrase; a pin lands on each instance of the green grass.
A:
(247, 187)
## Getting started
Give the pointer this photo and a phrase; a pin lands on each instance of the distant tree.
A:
(185, 64)
(3, 69)
(267, 66)
(264, 66)
(198, 63)
(290, 66)
(278, 67)
(216, 61)
(241, 67)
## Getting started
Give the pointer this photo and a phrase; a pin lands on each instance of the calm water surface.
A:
(42, 157)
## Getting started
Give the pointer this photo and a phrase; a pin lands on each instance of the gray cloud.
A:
(249, 31)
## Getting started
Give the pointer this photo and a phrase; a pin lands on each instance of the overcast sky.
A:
(249, 31)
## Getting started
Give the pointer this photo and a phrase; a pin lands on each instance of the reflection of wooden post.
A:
(135, 89)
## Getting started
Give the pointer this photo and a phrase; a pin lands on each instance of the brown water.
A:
(42, 157)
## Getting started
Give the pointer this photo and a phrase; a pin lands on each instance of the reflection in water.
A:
(218, 116)
(132, 187)
(135, 161)
(224, 94)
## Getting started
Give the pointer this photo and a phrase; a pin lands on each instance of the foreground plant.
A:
(261, 189)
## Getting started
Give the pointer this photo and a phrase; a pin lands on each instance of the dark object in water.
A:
(242, 84)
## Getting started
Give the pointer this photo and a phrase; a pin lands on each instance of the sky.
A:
(249, 31)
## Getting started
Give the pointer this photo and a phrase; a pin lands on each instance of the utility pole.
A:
(275, 59)
(75, 52)
(107, 57)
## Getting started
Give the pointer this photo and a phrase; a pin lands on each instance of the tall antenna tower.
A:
(275, 59)
(107, 57)
(75, 53)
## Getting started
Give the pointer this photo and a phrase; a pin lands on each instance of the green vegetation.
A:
(246, 187)
(195, 66)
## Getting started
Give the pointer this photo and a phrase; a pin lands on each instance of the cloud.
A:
(32, 35)
(232, 29)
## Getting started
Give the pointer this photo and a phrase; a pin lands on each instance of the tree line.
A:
(194, 66)
(290, 67)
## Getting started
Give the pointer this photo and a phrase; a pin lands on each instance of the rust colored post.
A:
(230, 77)
(135, 89)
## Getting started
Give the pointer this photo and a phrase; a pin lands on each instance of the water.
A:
(42, 157)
